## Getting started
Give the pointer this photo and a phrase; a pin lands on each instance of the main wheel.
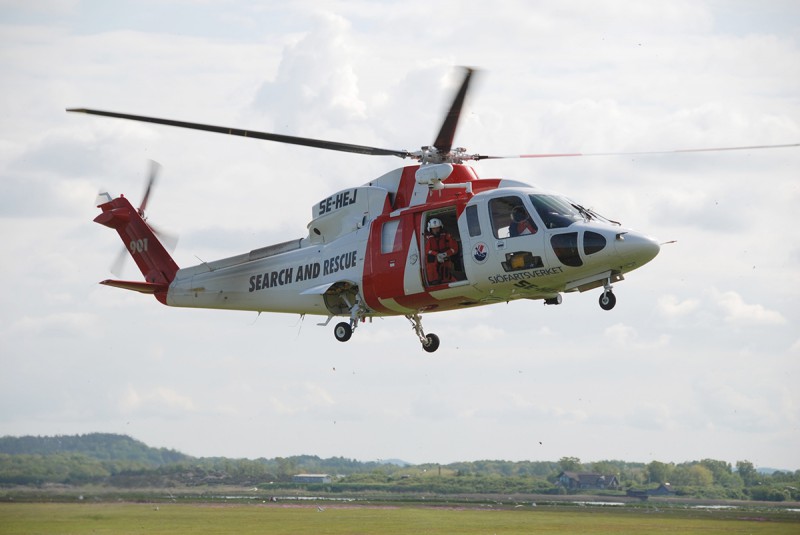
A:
(431, 343)
(343, 331)
(607, 300)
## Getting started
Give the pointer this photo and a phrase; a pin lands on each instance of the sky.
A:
(699, 359)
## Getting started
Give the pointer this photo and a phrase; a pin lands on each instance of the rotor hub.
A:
(432, 155)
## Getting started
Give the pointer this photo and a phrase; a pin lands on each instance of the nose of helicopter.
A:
(636, 248)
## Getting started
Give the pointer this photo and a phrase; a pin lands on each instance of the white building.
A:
(311, 478)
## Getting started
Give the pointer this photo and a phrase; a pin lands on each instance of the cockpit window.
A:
(506, 213)
(556, 212)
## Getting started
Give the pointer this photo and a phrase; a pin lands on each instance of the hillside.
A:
(98, 446)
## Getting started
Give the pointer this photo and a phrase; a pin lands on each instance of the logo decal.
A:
(480, 252)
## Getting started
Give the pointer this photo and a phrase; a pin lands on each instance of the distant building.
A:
(665, 489)
(587, 480)
(311, 478)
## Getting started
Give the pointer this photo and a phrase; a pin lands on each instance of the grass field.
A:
(126, 518)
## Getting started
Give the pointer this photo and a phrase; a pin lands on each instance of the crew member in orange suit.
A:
(440, 247)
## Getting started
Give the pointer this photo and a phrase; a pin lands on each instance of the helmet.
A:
(518, 214)
(434, 223)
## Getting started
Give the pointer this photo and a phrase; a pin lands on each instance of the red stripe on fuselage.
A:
(384, 273)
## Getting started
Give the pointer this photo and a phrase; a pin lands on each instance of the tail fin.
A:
(150, 256)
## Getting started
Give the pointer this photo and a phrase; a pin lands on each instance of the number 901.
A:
(138, 246)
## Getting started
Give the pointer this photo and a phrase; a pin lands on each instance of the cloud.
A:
(301, 398)
(485, 333)
(730, 406)
(523, 407)
(671, 307)
(315, 80)
(63, 324)
(622, 335)
(737, 312)
(158, 400)
(698, 209)
(651, 415)
(728, 307)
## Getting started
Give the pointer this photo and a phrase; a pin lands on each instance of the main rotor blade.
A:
(280, 138)
(637, 153)
(444, 141)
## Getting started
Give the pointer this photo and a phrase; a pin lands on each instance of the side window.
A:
(389, 241)
(473, 224)
(510, 218)
(566, 248)
(593, 242)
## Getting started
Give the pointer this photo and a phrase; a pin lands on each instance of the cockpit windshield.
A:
(555, 211)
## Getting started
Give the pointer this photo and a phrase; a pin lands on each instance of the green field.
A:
(124, 518)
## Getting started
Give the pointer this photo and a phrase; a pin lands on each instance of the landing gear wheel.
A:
(431, 343)
(607, 301)
(342, 331)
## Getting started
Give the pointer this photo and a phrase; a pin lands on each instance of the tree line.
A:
(122, 462)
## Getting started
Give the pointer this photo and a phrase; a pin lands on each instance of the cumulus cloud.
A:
(314, 79)
(672, 307)
(652, 415)
(58, 324)
(737, 311)
(299, 398)
(523, 407)
(621, 334)
(155, 400)
(485, 332)
(735, 407)
(626, 336)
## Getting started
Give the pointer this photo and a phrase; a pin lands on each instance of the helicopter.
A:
(428, 237)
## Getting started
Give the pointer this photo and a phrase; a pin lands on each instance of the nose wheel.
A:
(608, 300)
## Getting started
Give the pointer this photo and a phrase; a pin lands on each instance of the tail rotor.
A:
(155, 168)
(169, 241)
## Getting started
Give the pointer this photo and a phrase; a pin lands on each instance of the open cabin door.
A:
(442, 250)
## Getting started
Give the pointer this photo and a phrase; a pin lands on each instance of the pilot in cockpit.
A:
(521, 223)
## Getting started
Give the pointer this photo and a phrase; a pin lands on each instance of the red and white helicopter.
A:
(424, 238)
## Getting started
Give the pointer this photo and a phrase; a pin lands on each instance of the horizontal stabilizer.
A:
(137, 286)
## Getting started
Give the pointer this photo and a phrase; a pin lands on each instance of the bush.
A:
(769, 494)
